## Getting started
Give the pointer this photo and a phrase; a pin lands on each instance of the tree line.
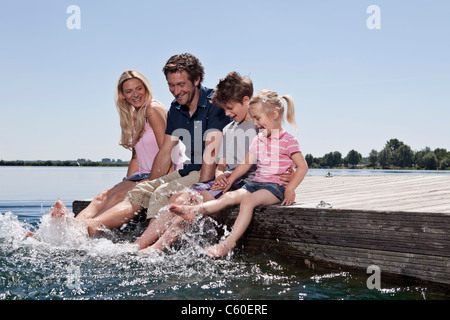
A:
(395, 154)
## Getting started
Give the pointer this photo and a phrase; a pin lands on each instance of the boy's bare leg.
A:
(155, 229)
(162, 234)
(177, 227)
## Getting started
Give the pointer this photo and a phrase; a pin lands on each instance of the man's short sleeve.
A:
(217, 119)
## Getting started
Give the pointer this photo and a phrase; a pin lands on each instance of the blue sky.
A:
(354, 87)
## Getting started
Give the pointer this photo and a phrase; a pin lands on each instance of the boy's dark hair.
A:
(233, 88)
(186, 62)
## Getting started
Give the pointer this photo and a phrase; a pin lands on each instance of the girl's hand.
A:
(289, 197)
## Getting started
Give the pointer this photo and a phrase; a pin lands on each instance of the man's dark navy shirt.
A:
(193, 130)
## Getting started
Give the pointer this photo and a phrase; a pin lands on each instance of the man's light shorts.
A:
(155, 194)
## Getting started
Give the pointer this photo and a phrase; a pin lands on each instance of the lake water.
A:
(64, 264)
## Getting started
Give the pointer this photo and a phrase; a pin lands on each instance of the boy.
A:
(233, 94)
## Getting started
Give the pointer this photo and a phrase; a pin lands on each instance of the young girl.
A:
(274, 151)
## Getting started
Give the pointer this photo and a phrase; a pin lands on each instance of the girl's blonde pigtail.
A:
(290, 114)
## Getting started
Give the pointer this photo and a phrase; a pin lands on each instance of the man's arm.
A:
(161, 165)
(212, 146)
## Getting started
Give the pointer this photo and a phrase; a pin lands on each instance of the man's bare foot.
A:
(187, 212)
(59, 210)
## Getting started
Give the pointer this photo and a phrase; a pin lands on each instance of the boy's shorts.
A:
(216, 193)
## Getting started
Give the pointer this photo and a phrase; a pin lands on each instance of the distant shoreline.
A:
(72, 163)
(61, 163)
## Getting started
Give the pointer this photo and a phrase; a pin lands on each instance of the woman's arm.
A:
(133, 166)
(157, 116)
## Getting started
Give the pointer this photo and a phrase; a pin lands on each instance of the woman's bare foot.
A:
(59, 210)
(148, 251)
(187, 212)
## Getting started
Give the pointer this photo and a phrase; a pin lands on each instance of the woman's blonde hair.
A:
(125, 109)
(270, 100)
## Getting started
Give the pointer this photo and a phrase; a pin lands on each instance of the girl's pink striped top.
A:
(273, 155)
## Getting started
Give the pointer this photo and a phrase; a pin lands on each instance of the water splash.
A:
(63, 263)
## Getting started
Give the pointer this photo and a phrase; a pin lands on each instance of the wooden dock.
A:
(399, 223)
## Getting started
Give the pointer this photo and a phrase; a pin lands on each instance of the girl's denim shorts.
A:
(275, 188)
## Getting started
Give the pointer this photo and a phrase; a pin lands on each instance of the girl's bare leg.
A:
(248, 204)
(228, 199)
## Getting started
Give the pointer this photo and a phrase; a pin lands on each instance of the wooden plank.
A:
(343, 238)
(395, 193)
(400, 223)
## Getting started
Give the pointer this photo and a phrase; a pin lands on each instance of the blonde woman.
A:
(143, 124)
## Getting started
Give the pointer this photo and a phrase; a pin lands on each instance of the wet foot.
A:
(187, 212)
(59, 210)
(220, 250)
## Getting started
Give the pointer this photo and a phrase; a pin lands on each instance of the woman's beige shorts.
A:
(155, 194)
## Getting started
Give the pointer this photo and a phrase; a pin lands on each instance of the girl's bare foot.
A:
(220, 250)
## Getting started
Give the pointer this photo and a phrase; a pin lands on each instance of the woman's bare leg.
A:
(106, 200)
(59, 210)
(113, 218)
